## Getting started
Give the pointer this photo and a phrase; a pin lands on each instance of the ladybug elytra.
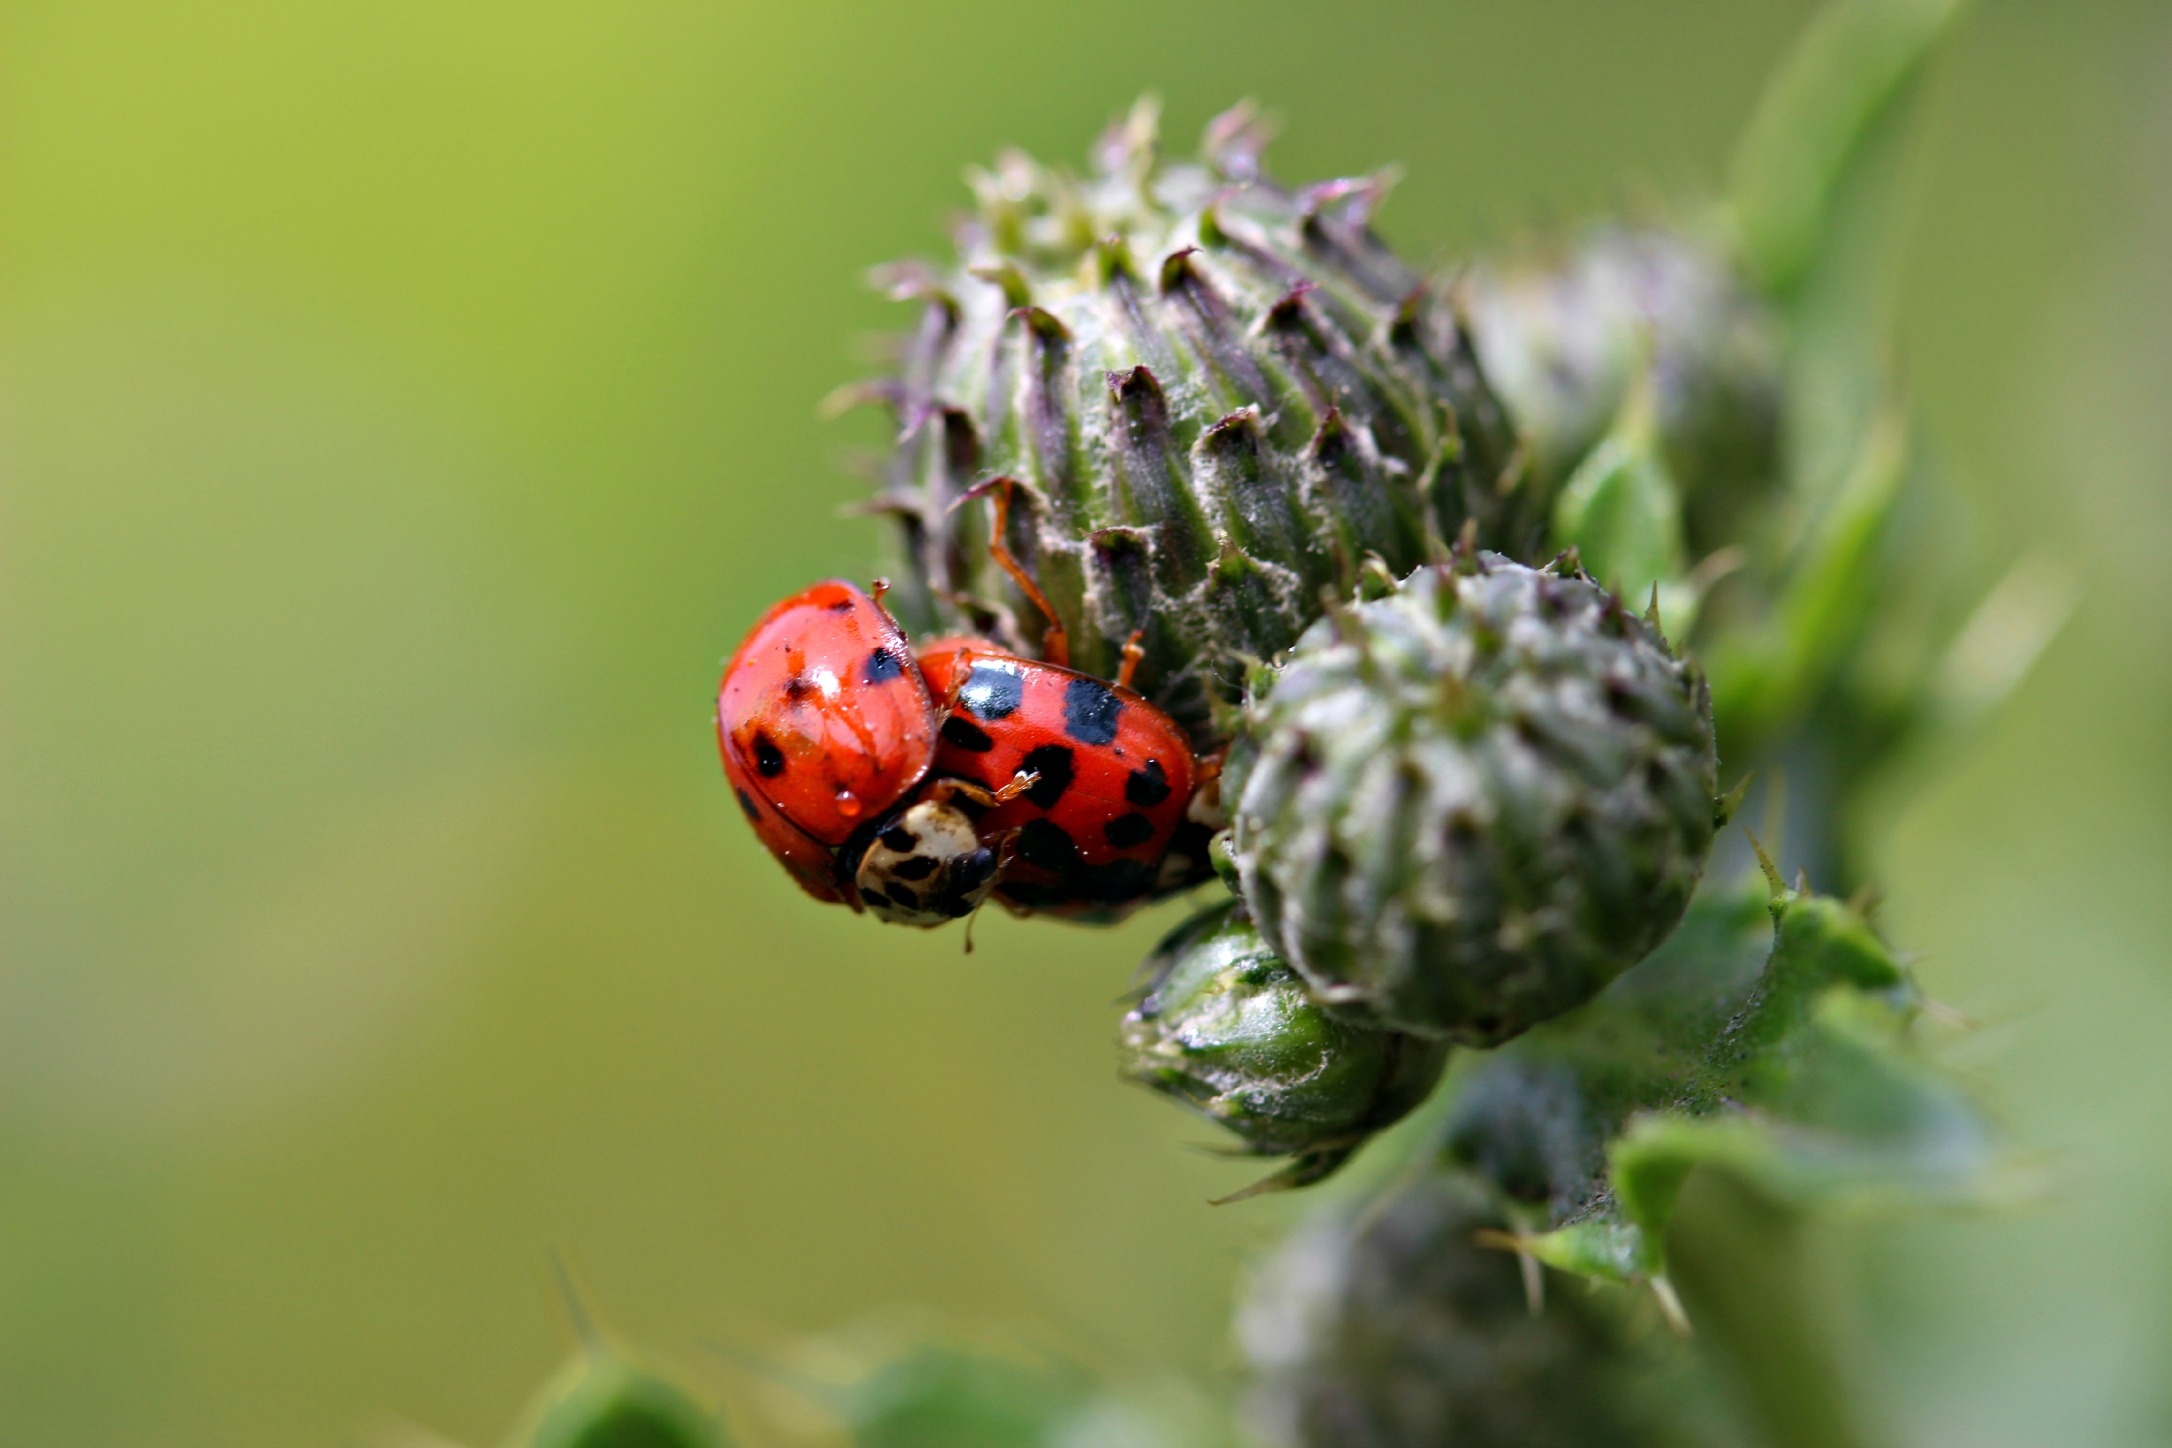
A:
(1111, 774)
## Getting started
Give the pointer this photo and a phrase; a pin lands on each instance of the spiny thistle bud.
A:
(1464, 806)
(1389, 1325)
(1565, 331)
(1230, 1031)
(1215, 395)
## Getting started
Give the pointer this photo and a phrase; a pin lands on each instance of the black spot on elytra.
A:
(842, 605)
(882, 667)
(919, 867)
(746, 805)
(1128, 832)
(966, 735)
(768, 758)
(1089, 711)
(900, 839)
(991, 692)
(796, 689)
(1055, 766)
(1147, 785)
(1046, 844)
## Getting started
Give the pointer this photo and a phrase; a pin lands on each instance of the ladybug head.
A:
(923, 865)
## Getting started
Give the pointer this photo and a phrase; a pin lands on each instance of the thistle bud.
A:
(1215, 395)
(1464, 806)
(1565, 332)
(1228, 1030)
(600, 1400)
(1390, 1325)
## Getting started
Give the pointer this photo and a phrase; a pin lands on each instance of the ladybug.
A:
(916, 787)
(1110, 775)
(827, 731)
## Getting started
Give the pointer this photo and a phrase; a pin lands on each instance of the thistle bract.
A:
(1230, 1031)
(1464, 806)
(1216, 395)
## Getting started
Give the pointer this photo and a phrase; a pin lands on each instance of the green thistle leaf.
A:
(1769, 1037)
(1622, 513)
(1830, 104)
(1766, 676)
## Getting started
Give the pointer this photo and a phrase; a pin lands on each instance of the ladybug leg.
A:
(947, 790)
(1056, 644)
(1132, 654)
(1005, 851)
(971, 921)
(877, 588)
(1019, 783)
(948, 704)
(1205, 807)
(986, 798)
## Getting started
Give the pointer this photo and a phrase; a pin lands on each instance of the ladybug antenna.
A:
(1132, 654)
(1055, 644)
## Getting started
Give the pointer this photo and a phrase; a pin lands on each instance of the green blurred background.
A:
(403, 407)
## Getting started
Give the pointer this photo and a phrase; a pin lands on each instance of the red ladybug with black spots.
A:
(1110, 776)
(918, 787)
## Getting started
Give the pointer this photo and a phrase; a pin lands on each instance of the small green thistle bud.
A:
(942, 1394)
(918, 1389)
(1215, 395)
(1388, 1325)
(604, 1399)
(1566, 332)
(1464, 807)
(600, 1400)
(1230, 1031)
